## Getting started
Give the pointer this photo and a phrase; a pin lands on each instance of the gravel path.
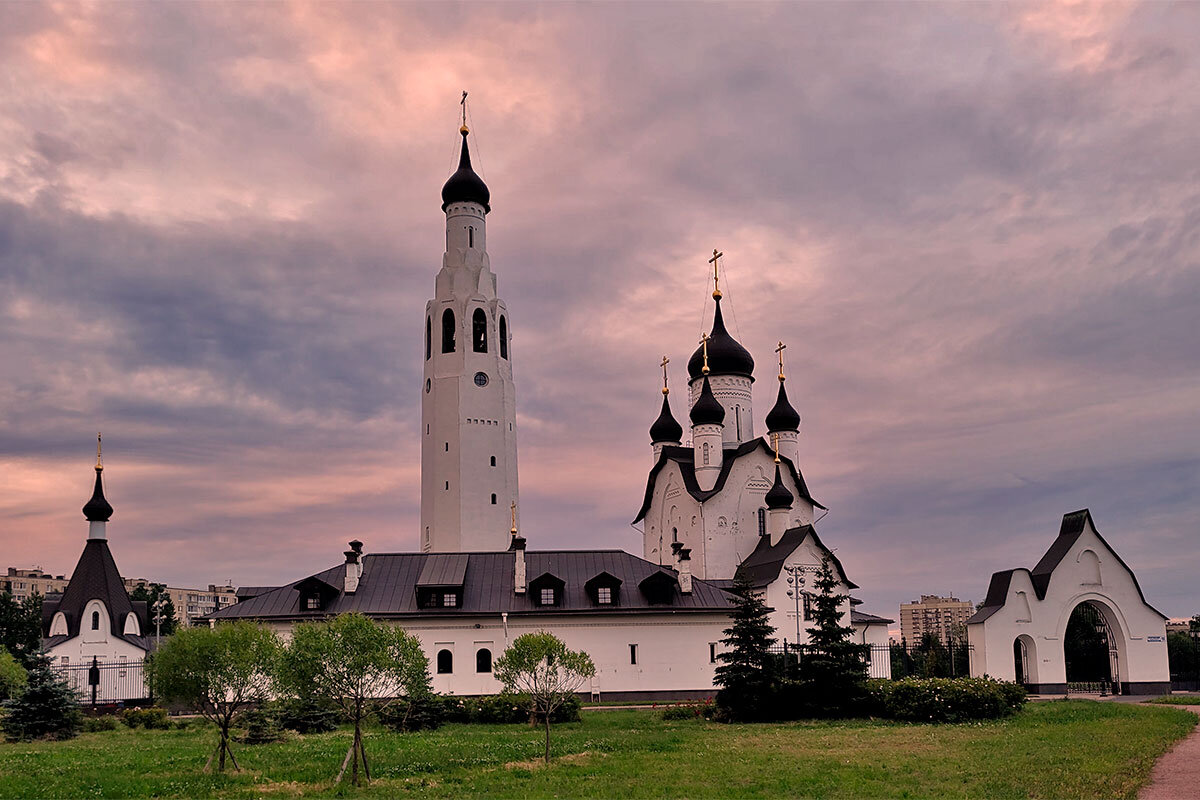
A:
(1177, 774)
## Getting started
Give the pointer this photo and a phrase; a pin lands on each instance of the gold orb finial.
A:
(780, 350)
(513, 509)
(664, 363)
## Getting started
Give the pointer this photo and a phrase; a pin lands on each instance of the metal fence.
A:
(933, 660)
(101, 684)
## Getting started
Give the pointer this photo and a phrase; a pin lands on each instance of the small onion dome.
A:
(779, 496)
(782, 417)
(708, 410)
(464, 186)
(665, 428)
(97, 509)
(725, 355)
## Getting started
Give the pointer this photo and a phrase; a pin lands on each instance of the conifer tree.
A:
(834, 669)
(47, 708)
(745, 674)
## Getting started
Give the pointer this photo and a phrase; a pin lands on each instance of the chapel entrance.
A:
(1021, 662)
(1090, 651)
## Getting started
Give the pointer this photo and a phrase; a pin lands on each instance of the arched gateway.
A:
(1078, 617)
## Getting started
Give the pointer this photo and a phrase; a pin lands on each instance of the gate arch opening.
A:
(1091, 649)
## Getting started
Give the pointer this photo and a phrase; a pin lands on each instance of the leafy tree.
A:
(540, 666)
(12, 675)
(1183, 655)
(151, 594)
(358, 664)
(835, 668)
(745, 675)
(21, 627)
(47, 708)
(219, 672)
(1194, 625)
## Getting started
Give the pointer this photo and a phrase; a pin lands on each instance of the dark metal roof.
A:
(96, 578)
(443, 569)
(97, 508)
(464, 185)
(707, 410)
(726, 356)
(868, 619)
(245, 592)
(782, 417)
(685, 458)
(388, 585)
(778, 496)
(762, 566)
(665, 428)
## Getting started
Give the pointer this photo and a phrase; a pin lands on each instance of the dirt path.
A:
(1177, 773)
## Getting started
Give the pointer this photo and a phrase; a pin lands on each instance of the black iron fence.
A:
(102, 684)
(929, 660)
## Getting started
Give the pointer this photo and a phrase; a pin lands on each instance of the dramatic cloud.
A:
(976, 226)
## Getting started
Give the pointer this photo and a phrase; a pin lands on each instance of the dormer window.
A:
(659, 587)
(604, 595)
(547, 589)
(449, 599)
(604, 589)
(547, 598)
(312, 603)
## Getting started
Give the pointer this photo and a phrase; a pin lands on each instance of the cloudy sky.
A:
(976, 226)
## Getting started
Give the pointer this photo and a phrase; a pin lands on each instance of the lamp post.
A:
(795, 581)
(158, 618)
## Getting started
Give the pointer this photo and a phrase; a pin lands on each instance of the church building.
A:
(723, 505)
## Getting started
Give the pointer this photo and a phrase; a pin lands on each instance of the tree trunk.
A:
(357, 746)
(224, 738)
(547, 737)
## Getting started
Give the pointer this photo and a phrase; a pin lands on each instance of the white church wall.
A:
(784, 615)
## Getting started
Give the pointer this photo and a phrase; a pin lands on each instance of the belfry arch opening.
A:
(479, 331)
(448, 331)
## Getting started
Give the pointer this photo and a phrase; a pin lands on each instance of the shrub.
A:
(107, 722)
(45, 709)
(680, 711)
(417, 713)
(262, 726)
(152, 718)
(944, 699)
(306, 714)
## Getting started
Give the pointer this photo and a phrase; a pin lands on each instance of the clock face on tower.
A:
(481, 379)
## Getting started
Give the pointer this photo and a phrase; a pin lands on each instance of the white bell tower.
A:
(468, 403)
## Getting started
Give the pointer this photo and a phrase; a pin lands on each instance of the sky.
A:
(976, 227)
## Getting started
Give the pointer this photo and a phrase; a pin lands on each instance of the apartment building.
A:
(191, 604)
(24, 583)
(944, 617)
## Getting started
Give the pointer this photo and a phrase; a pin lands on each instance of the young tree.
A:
(540, 666)
(218, 671)
(21, 627)
(745, 674)
(835, 668)
(12, 676)
(46, 708)
(151, 594)
(361, 666)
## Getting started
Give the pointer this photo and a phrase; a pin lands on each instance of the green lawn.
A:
(1056, 749)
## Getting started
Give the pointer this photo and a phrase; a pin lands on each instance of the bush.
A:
(944, 699)
(306, 714)
(262, 726)
(107, 722)
(418, 713)
(680, 711)
(152, 718)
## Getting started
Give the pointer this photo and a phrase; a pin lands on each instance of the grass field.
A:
(1067, 749)
(1177, 700)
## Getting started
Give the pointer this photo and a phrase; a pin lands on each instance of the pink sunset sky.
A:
(977, 228)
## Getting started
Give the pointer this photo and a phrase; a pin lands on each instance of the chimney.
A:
(685, 570)
(353, 567)
(675, 548)
(518, 550)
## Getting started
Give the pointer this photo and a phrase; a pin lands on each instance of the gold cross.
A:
(780, 350)
(513, 509)
(463, 103)
(98, 464)
(704, 344)
(716, 276)
(664, 363)
(775, 441)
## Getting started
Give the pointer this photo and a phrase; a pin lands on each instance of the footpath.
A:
(1177, 774)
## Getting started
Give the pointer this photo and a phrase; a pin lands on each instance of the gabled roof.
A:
(388, 585)
(1073, 526)
(96, 578)
(685, 458)
(868, 619)
(763, 565)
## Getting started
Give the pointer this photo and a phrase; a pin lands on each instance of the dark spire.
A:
(708, 410)
(779, 496)
(782, 417)
(725, 355)
(464, 185)
(665, 428)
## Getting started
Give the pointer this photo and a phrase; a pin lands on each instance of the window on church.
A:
(445, 662)
(762, 522)
(428, 338)
(712, 652)
(737, 415)
(503, 338)
(604, 595)
(479, 331)
(493, 499)
(470, 236)
(449, 599)
(808, 609)
(547, 597)
(448, 331)
(493, 461)
(312, 603)
(483, 660)
(95, 620)
(706, 454)
(674, 534)
(633, 654)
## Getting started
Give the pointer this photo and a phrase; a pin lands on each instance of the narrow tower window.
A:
(503, 338)
(479, 331)
(493, 499)
(470, 237)
(706, 454)
(448, 331)
(762, 522)
(493, 461)
(737, 415)
(428, 338)
(95, 620)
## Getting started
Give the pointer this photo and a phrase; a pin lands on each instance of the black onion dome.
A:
(464, 186)
(665, 428)
(725, 355)
(708, 410)
(97, 509)
(782, 417)
(779, 496)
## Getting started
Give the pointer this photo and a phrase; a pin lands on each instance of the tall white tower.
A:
(468, 404)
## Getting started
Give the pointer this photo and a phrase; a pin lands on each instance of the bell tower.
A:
(468, 402)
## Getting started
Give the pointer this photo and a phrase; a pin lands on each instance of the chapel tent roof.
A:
(96, 578)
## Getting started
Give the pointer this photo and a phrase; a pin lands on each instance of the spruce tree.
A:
(46, 709)
(745, 675)
(834, 669)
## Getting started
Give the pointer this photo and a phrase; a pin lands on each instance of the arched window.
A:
(428, 338)
(503, 338)
(762, 522)
(479, 331)
(445, 662)
(470, 237)
(95, 620)
(447, 331)
(493, 499)
(483, 660)
(674, 535)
